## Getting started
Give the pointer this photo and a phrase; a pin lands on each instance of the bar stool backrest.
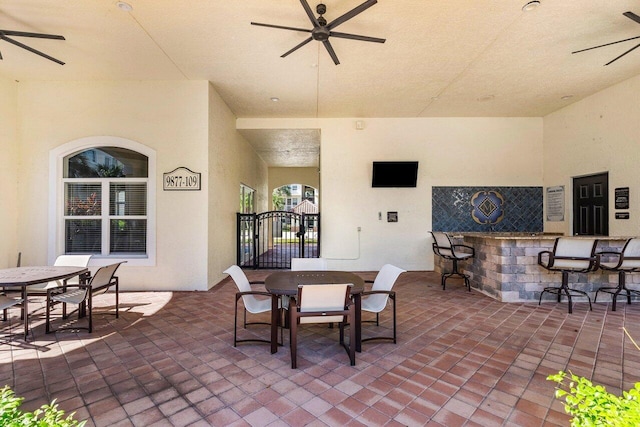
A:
(631, 255)
(576, 248)
(442, 244)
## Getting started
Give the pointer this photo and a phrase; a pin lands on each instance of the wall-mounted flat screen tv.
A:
(394, 174)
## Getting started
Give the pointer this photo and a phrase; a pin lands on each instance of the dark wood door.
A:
(591, 205)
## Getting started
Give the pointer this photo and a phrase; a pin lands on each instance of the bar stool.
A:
(569, 255)
(443, 247)
(625, 261)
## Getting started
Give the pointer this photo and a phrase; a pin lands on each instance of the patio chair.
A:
(6, 303)
(443, 247)
(82, 295)
(322, 303)
(625, 261)
(375, 300)
(251, 304)
(309, 264)
(569, 255)
(66, 261)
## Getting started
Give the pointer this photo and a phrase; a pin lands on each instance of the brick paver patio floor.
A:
(462, 359)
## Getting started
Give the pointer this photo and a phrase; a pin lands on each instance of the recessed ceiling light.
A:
(124, 6)
(274, 99)
(530, 6)
(564, 98)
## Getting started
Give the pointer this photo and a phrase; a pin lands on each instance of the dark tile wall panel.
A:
(453, 211)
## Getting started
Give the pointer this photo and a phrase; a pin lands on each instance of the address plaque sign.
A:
(181, 179)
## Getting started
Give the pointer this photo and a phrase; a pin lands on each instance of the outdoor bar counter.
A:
(506, 268)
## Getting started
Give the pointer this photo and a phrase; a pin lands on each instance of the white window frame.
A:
(56, 199)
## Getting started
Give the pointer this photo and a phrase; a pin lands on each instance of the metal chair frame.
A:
(449, 252)
(593, 262)
(619, 267)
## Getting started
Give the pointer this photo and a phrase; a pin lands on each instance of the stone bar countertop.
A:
(506, 268)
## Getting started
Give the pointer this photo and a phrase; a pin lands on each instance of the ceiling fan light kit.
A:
(532, 5)
(323, 30)
(629, 15)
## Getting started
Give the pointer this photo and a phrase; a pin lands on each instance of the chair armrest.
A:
(392, 293)
(593, 266)
(61, 289)
(609, 253)
(266, 294)
(549, 258)
(467, 250)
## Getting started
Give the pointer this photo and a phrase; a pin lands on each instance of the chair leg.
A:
(293, 340)
(235, 325)
(565, 290)
(47, 317)
(352, 335)
(90, 312)
(393, 298)
(455, 272)
(117, 298)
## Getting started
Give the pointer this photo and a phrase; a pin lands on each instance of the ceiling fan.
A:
(322, 30)
(5, 33)
(629, 15)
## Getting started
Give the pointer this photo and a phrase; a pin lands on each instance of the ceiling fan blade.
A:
(618, 57)
(35, 35)
(30, 49)
(633, 16)
(353, 12)
(1, 56)
(281, 27)
(305, 41)
(356, 37)
(332, 53)
(606, 44)
(310, 14)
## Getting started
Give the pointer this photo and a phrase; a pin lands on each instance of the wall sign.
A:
(555, 203)
(622, 215)
(181, 179)
(622, 198)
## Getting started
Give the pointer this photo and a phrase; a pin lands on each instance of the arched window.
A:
(105, 200)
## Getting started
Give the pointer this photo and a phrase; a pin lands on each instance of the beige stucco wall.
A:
(8, 173)
(168, 117)
(232, 162)
(451, 151)
(600, 133)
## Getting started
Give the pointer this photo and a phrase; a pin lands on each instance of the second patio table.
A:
(22, 277)
(286, 283)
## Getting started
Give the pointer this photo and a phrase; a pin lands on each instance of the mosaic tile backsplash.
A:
(487, 209)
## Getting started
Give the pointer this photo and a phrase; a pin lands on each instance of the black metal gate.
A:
(271, 239)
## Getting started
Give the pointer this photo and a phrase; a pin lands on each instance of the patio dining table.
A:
(286, 283)
(22, 277)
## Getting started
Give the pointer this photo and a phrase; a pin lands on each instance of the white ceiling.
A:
(442, 58)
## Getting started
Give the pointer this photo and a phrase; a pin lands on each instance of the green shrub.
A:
(592, 405)
(46, 416)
